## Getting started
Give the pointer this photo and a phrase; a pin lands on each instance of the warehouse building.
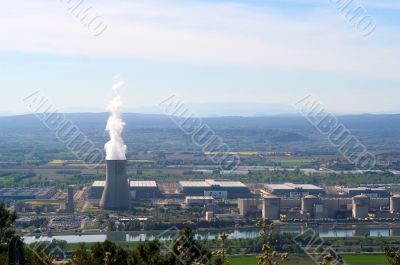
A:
(26, 193)
(198, 200)
(96, 190)
(143, 189)
(379, 192)
(218, 189)
(293, 190)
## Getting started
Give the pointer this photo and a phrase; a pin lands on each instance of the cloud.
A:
(226, 33)
(381, 4)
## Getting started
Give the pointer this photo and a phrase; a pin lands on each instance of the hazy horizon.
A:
(214, 109)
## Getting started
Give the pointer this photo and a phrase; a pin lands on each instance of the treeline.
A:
(183, 250)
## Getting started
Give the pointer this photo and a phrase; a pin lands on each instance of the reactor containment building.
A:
(116, 190)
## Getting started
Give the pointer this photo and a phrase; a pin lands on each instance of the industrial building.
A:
(394, 206)
(198, 200)
(311, 207)
(24, 207)
(139, 189)
(271, 208)
(379, 192)
(218, 189)
(308, 206)
(293, 190)
(209, 216)
(26, 193)
(96, 190)
(249, 207)
(360, 206)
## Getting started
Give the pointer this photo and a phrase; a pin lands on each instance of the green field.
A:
(252, 260)
(349, 259)
(249, 260)
(365, 259)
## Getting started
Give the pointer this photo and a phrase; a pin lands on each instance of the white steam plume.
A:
(115, 148)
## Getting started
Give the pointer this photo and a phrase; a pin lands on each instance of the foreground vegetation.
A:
(273, 249)
(349, 259)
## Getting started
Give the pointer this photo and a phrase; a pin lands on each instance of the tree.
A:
(11, 245)
(148, 253)
(16, 251)
(269, 255)
(111, 226)
(221, 254)
(326, 259)
(188, 251)
(393, 255)
(110, 252)
(82, 256)
(40, 254)
(7, 218)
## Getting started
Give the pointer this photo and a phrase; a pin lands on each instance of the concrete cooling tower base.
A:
(116, 191)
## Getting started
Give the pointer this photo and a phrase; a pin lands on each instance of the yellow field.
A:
(61, 162)
(57, 162)
(77, 163)
(85, 165)
(38, 203)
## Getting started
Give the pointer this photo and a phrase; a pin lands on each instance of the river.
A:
(324, 231)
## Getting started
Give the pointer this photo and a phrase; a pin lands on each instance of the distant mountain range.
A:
(228, 109)
(215, 109)
(160, 132)
(382, 122)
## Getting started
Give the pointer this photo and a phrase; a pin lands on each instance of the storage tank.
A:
(307, 204)
(360, 206)
(395, 204)
(271, 209)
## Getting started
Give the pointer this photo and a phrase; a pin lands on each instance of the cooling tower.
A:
(116, 191)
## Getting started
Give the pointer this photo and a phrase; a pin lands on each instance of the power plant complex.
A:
(284, 202)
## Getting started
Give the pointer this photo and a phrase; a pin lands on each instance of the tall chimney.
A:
(116, 191)
(70, 199)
